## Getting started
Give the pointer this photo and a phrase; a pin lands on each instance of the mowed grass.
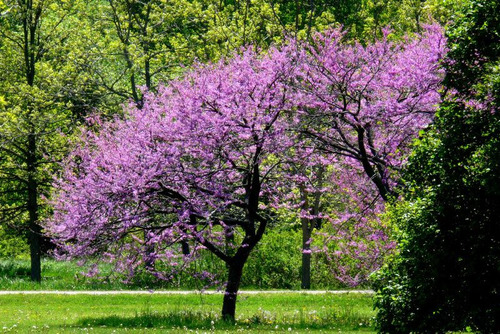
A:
(261, 313)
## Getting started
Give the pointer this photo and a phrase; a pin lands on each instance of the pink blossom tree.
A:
(195, 166)
(205, 161)
(363, 106)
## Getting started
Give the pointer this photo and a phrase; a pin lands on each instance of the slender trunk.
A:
(306, 255)
(34, 228)
(185, 248)
(149, 262)
(308, 225)
(232, 287)
(147, 72)
(306, 235)
(34, 239)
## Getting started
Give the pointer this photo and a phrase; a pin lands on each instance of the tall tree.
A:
(363, 105)
(36, 112)
(138, 44)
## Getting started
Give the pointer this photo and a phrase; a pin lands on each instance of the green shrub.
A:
(447, 274)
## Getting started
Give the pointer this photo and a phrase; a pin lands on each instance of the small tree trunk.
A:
(233, 285)
(308, 226)
(149, 262)
(306, 255)
(306, 235)
(185, 248)
(35, 230)
(34, 239)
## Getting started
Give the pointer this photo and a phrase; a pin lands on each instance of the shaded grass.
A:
(180, 313)
(66, 275)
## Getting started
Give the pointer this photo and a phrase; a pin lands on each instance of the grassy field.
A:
(261, 313)
(66, 275)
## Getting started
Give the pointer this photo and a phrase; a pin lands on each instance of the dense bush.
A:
(447, 274)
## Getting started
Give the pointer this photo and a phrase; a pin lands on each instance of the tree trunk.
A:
(306, 255)
(149, 262)
(308, 225)
(35, 230)
(306, 235)
(233, 285)
(34, 239)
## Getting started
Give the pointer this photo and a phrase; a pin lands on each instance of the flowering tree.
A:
(205, 161)
(363, 106)
(192, 167)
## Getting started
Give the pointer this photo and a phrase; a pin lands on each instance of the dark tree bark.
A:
(35, 231)
(306, 255)
(235, 271)
(308, 225)
(30, 22)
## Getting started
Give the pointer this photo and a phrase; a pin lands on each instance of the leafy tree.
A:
(144, 43)
(451, 195)
(36, 110)
(205, 162)
(404, 16)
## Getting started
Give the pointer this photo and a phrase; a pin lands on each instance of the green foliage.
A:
(35, 113)
(12, 245)
(276, 262)
(474, 47)
(447, 274)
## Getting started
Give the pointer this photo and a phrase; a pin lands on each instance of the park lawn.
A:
(261, 313)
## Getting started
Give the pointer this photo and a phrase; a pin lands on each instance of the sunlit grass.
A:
(180, 313)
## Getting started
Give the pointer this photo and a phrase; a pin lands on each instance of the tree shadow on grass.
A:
(262, 320)
(179, 319)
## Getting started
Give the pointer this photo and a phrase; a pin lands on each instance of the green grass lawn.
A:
(261, 313)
